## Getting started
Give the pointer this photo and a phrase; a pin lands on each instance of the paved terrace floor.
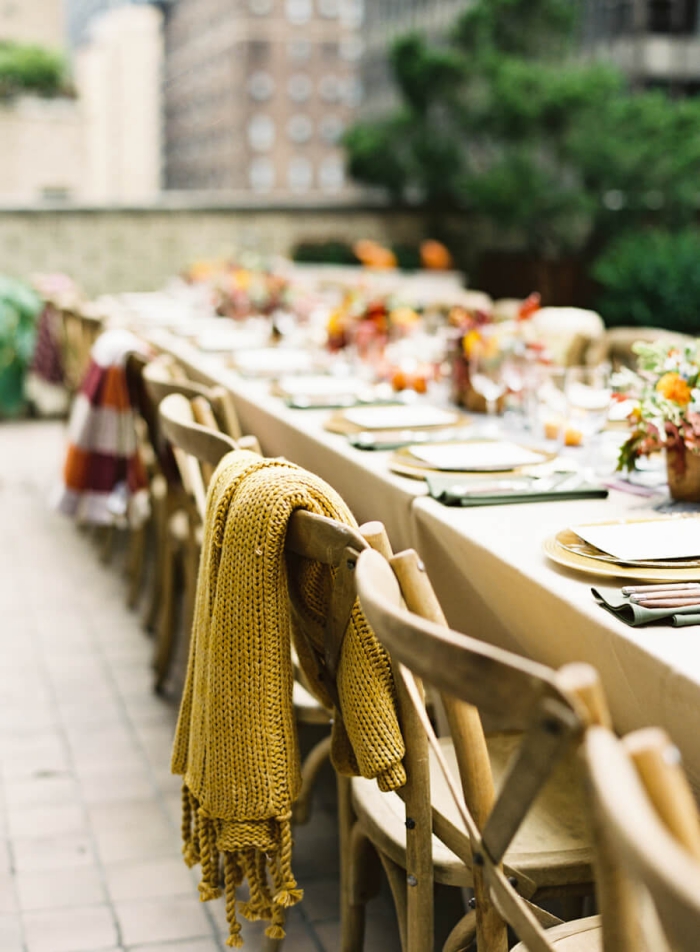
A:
(89, 813)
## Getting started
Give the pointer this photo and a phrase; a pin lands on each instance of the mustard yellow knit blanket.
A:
(236, 744)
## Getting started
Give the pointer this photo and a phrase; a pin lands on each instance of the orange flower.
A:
(435, 255)
(374, 255)
(673, 387)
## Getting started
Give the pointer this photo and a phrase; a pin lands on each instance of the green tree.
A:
(507, 123)
(29, 68)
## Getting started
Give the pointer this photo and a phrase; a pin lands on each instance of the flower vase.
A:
(683, 468)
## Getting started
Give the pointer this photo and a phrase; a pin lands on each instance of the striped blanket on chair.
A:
(104, 480)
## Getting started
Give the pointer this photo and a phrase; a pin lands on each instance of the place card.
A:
(399, 417)
(477, 456)
(320, 385)
(660, 539)
(273, 361)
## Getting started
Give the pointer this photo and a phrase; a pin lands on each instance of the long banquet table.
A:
(487, 564)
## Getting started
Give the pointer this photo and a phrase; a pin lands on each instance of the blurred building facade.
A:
(33, 21)
(385, 22)
(655, 42)
(82, 13)
(257, 94)
(42, 157)
(118, 76)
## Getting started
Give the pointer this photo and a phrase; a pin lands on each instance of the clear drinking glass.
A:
(486, 369)
(589, 395)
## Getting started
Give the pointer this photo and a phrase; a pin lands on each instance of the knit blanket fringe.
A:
(236, 745)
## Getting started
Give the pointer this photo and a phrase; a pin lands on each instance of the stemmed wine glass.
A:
(486, 361)
(588, 394)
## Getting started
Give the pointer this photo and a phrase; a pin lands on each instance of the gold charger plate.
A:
(582, 563)
(569, 540)
(405, 464)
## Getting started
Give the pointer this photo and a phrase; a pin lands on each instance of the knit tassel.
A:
(287, 892)
(259, 904)
(232, 879)
(190, 832)
(209, 888)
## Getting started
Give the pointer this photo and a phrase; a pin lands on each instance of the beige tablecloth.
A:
(494, 582)
(487, 564)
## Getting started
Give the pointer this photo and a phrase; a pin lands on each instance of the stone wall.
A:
(114, 250)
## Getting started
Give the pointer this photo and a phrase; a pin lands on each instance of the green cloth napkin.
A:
(634, 615)
(451, 491)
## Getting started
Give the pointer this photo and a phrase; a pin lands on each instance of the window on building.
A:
(331, 174)
(351, 48)
(261, 85)
(299, 87)
(299, 50)
(352, 91)
(331, 128)
(298, 11)
(300, 128)
(330, 88)
(261, 133)
(351, 12)
(300, 174)
(258, 51)
(329, 8)
(672, 16)
(261, 175)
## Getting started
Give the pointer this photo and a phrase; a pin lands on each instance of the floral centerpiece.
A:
(471, 326)
(667, 416)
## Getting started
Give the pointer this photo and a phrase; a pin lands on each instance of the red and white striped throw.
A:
(104, 479)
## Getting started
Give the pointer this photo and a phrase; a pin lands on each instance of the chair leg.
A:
(462, 936)
(397, 882)
(360, 878)
(313, 762)
(159, 518)
(135, 563)
(106, 541)
(165, 632)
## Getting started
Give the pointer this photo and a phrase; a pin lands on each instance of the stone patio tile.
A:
(162, 920)
(82, 929)
(60, 888)
(150, 878)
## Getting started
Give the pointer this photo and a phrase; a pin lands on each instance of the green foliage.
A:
(324, 252)
(651, 279)
(19, 307)
(29, 68)
(506, 124)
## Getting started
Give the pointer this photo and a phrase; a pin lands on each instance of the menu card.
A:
(271, 361)
(389, 418)
(645, 541)
(476, 456)
(319, 385)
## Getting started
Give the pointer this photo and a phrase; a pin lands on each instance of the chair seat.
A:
(307, 709)
(583, 935)
(552, 847)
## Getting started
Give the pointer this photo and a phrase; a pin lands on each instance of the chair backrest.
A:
(552, 708)
(648, 834)
(160, 382)
(309, 535)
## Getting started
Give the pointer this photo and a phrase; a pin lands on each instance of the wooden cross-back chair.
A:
(647, 836)
(79, 329)
(527, 842)
(180, 498)
(313, 537)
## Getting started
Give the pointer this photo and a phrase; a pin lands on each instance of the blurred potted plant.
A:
(19, 307)
(668, 413)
